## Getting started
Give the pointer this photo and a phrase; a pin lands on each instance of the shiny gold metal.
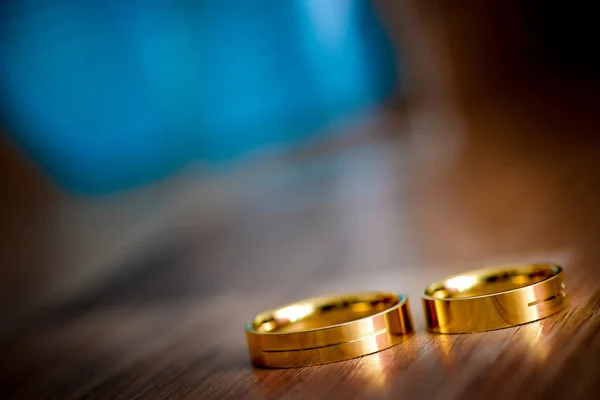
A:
(328, 329)
(494, 298)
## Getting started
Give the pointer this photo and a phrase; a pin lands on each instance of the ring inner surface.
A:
(307, 315)
(480, 284)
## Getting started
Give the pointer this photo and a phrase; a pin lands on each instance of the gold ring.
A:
(494, 298)
(328, 329)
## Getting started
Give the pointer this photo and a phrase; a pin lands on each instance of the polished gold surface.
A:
(328, 329)
(494, 298)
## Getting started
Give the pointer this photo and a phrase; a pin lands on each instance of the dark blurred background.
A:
(179, 149)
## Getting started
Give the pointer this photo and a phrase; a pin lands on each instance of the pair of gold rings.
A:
(328, 329)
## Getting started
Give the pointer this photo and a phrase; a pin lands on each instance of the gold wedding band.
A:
(494, 298)
(328, 329)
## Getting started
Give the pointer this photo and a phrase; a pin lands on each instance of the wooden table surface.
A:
(392, 212)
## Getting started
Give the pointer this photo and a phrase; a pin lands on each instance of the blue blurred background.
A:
(109, 94)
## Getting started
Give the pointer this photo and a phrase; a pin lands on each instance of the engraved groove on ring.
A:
(376, 333)
(537, 302)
